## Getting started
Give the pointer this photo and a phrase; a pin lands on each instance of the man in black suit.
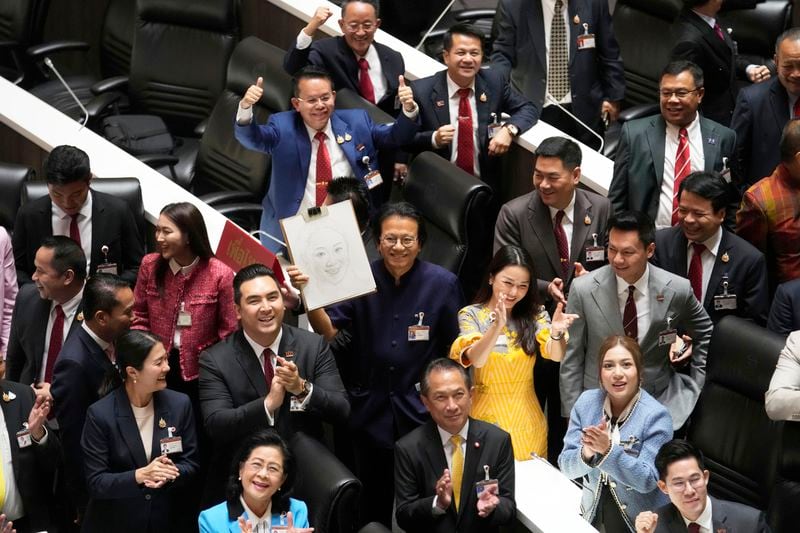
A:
(784, 313)
(265, 374)
(728, 274)
(94, 220)
(656, 153)
(32, 458)
(762, 111)
(46, 311)
(684, 478)
(585, 75)
(702, 41)
(557, 210)
(460, 109)
(438, 464)
(86, 358)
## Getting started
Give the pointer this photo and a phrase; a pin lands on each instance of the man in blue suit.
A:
(314, 143)
(462, 102)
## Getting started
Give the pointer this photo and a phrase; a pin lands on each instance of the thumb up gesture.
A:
(253, 94)
(405, 95)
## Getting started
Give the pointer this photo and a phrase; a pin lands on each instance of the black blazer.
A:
(26, 340)
(784, 314)
(112, 451)
(232, 392)
(741, 261)
(78, 375)
(35, 465)
(726, 516)
(526, 222)
(697, 42)
(434, 111)
(339, 60)
(113, 225)
(420, 461)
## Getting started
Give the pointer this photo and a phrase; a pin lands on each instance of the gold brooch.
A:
(162, 424)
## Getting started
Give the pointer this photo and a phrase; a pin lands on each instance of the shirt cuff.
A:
(433, 141)
(748, 68)
(436, 510)
(412, 114)
(303, 41)
(308, 396)
(244, 116)
(43, 440)
(270, 416)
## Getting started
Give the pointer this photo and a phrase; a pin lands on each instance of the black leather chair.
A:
(374, 527)
(21, 26)
(12, 178)
(127, 189)
(456, 207)
(756, 29)
(328, 488)
(729, 423)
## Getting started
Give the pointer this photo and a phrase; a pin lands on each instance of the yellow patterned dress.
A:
(504, 393)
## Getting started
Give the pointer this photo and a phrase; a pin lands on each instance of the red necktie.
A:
(56, 340)
(365, 87)
(683, 168)
(563, 247)
(74, 233)
(324, 172)
(630, 318)
(465, 159)
(696, 270)
(269, 372)
(693, 528)
(796, 109)
(718, 31)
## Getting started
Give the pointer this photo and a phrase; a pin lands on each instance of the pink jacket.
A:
(8, 289)
(207, 293)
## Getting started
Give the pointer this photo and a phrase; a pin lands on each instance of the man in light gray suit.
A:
(658, 309)
(783, 396)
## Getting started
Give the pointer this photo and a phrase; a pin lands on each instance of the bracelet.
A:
(554, 338)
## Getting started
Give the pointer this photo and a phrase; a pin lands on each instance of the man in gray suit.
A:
(684, 478)
(658, 309)
(652, 156)
(783, 396)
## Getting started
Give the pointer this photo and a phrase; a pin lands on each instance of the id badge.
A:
(184, 318)
(485, 484)
(595, 254)
(419, 333)
(724, 302)
(373, 179)
(24, 438)
(667, 337)
(171, 445)
(492, 129)
(108, 268)
(586, 41)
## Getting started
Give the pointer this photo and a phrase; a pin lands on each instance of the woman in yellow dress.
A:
(499, 337)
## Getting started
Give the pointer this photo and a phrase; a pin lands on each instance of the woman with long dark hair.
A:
(501, 333)
(184, 294)
(139, 445)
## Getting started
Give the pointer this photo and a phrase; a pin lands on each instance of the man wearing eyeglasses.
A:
(656, 153)
(684, 478)
(314, 143)
(383, 341)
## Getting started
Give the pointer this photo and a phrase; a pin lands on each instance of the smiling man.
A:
(728, 274)
(656, 153)
(684, 478)
(658, 309)
(265, 374)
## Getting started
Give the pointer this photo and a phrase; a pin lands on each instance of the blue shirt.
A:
(382, 367)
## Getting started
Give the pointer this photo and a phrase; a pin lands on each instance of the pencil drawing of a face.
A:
(328, 255)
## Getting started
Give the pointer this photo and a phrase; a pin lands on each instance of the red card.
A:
(237, 249)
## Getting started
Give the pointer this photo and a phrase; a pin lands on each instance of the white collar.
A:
(704, 520)
(712, 243)
(100, 342)
(86, 208)
(711, 21)
(258, 349)
(640, 284)
(453, 87)
(445, 436)
(185, 270)
(70, 305)
(569, 211)
(675, 130)
(254, 519)
(327, 130)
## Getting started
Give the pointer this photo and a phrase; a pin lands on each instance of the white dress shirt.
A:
(449, 449)
(144, 417)
(61, 222)
(259, 524)
(100, 342)
(174, 267)
(640, 297)
(697, 161)
(379, 83)
(453, 101)
(340, 166)
(568, 222)
(707, 258)
(548, 10)
(704, 520)
(70, 308)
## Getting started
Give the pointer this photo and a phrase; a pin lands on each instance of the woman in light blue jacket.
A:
(613, 437)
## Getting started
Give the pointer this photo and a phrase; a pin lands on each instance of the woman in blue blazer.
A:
(139, 445)
(261, 478)
(613, 437)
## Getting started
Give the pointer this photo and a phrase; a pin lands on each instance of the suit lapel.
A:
(348, 60)
(161, 412)
(303, 150)
(440, 103)
(542, 227)
(679, 252)
(40, 315)
(660, 299)
(250, 365)
(710, 143)
(432, 450)
(484, 100)
(580, 230)
(721, 48)
(656, 138)
(779, 102)
(605, 297)
(471, 463)
(391, 81)
(99, 235)
(573, 30)
(341, 129)
(127, 427)
(287, 345)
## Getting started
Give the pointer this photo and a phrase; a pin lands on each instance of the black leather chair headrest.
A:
(12, 177)
(664, 9)
(211, 15)
(252, 58)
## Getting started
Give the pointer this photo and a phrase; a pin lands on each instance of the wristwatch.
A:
(512, 129)
(306, 389)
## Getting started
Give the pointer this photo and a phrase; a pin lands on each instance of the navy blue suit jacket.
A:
(340, 62)
(784, 315)
(595, 74)
(286, 138)
(434, 108)
(112, 451)
(740, 260)
(726, 516)
(761, 112)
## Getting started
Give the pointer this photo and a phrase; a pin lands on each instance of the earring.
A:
(135, 381)
(240, 478)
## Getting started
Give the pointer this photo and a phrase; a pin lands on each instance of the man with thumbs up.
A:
(314, 143)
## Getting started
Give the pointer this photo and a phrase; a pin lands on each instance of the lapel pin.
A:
(348, 137)
(659, 297)
(162, 424)
(6, 397)
(79, 318)
(725, 257)
(439, 103)
(483, 97)
(360, 148)
(339, 139)
(477, 444)
(576, 19)
(587, 220)
(711, 140)
(288, 355)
